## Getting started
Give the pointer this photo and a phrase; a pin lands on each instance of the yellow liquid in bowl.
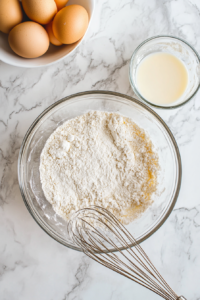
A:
(161, 78)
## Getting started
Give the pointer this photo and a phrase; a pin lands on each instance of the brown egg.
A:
(70, 24)
(41, 11)
(61, 3)
(10, 14)
(52, 37)
(29, 40)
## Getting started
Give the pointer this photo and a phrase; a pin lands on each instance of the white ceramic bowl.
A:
(54, 54)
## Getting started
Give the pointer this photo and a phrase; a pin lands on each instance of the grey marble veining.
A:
(32, 265)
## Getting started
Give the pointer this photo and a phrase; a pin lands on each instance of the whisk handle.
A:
(181, 298)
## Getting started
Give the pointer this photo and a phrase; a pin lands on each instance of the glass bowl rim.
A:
(45, 227)
(130, 73)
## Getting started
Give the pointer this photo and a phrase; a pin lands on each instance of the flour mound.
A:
(99, 158)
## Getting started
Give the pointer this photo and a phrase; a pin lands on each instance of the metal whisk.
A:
(103, 238)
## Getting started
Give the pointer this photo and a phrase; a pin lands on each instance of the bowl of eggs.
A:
(35, 33)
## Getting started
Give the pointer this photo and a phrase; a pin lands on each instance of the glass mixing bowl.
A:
(176, 47)
(71, 107)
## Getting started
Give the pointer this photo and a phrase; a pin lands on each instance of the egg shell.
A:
(61, 3)
(52, 37)
(41, 11)
(29, 40)
(70, 24)
(10, 14)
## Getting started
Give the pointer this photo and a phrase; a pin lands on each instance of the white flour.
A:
(99, 158)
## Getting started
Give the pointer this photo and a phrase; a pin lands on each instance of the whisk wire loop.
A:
(103, 238)
(115, 258)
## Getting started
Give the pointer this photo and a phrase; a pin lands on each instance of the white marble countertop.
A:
(32, 265)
